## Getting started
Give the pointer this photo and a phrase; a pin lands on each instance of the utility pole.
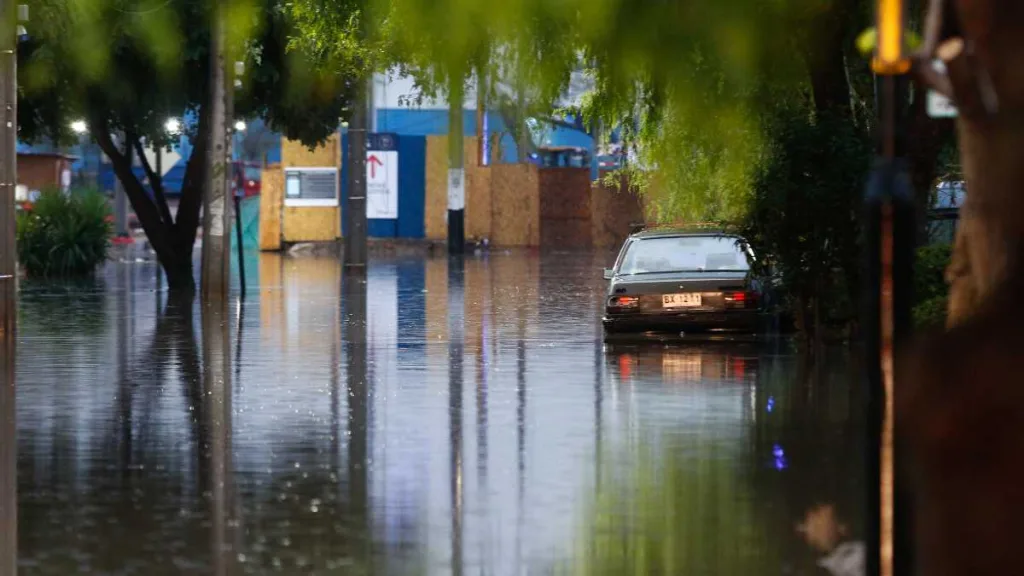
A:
(216, 263)
(355, 235)
(8, 164)
(8, 286)
(456, 167)
(890, 236)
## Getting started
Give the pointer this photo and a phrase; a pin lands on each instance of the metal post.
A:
(8, 288)
(8, 165)
(456, 168)
(238, 236)
(355, 233)
(216, 263)
(889, 243)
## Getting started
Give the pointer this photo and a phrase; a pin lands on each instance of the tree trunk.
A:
(988, 82)
(991, 227)
(961, 406)
(173, 242)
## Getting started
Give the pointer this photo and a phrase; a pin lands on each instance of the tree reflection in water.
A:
(683, 501)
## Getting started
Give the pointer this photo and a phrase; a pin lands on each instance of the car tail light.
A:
(739, 368)
(625, 367)
(741, 299)
(623, 301)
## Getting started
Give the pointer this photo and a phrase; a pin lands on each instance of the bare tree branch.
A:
(145, 209)
(156, 182)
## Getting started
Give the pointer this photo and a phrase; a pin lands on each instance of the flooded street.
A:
(426, 419)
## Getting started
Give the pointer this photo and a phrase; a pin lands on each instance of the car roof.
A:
(678, 232)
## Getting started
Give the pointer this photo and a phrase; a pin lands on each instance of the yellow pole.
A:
(890, 53)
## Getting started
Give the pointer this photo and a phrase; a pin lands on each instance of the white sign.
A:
(938, 105)
(382, 185)
(168, 159)
(456, 189)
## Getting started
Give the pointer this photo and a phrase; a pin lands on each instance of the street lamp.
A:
(240, 126)
(173, 126)
(79, 127)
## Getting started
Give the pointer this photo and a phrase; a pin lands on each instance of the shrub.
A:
(804, 216)
(930, 289)
(64, 234)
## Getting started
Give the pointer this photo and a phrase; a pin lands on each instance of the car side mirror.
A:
(609, 273)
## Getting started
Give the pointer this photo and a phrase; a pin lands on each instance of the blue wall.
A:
(412, 189)
(422, 122)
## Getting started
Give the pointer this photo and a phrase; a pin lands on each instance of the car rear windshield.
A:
(684, 254)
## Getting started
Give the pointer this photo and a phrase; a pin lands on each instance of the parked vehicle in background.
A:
(673, 280)
(248, 178)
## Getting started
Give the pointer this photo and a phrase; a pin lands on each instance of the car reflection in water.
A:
(703, 363)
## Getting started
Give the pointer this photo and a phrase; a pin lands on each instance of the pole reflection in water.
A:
(125, 385)
(216, 449)
(8, 436)
(354, 289)
(481, 406)
(520, 433)
(456, 322)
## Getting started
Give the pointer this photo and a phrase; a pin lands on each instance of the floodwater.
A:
(425, 418)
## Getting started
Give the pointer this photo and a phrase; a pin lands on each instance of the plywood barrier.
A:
(515, 205)
(477, 190)
(478, 203)
(436, 198)
(565, 207)
(614, 210)
(295, 154)
(311, 224)
(271, 199)
(281, 224)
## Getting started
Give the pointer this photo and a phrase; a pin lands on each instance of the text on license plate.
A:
(680, 300)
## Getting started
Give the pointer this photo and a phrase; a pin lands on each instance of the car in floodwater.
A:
(672, 280)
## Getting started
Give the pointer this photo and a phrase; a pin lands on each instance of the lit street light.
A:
(240, 126)
(79, 127)
(173, 126)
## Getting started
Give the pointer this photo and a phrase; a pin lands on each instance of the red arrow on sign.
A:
(373, 161)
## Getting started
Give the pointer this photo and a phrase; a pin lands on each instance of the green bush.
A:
(804, 216)
(64, 235)
(930, 289)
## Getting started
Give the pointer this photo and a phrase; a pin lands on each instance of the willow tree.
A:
(125, 67)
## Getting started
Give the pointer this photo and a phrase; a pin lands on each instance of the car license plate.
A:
(680, 300)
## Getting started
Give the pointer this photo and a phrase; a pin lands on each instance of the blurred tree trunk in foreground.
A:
(989, 70)
(961, 409)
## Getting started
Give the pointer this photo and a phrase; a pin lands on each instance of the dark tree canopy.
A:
(126, 66)
(133, 64)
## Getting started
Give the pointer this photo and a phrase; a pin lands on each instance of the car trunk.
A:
(681, 290)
